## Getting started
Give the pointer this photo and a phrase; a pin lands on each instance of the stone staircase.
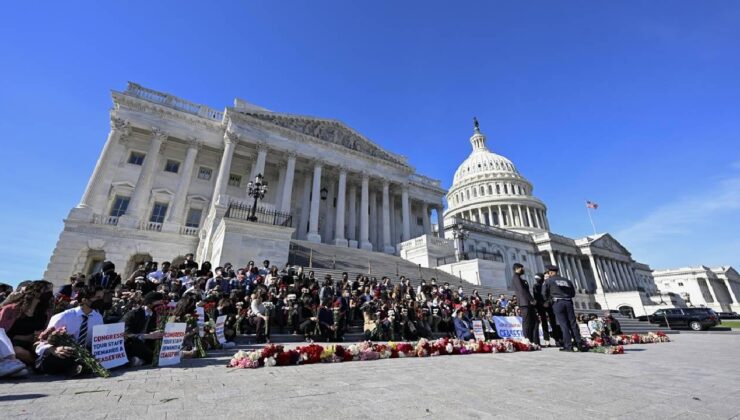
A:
(629, 325)
(328, 259)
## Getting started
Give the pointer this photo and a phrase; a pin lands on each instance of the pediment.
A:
(330, 131)
(607, 242)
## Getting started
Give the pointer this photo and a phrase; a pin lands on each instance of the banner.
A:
(201, 320)
(508, 326)
(174, 334)
(220, 321)
(107, 345)
(585, 331)
(478, 330)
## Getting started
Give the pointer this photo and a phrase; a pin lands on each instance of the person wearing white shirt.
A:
(79, 323)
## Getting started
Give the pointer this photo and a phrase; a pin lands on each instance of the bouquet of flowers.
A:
(192, 325)
(164, 314)
(60, 337)
(337, 315)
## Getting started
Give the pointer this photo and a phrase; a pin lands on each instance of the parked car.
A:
(695, 318)
(728, 315)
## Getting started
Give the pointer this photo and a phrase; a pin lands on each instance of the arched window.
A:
(490, 189)
(475, 192)
(482, 190)
(467, 194)
(498, 189)
(506, 188)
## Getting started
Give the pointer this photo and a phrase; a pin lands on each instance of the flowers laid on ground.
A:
(620, 340)
(61, 338)
(276, 355)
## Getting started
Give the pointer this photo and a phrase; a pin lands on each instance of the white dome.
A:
(488, 189)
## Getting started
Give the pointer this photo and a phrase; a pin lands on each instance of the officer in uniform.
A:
(544, 310)
(561, 291)
(526, 304)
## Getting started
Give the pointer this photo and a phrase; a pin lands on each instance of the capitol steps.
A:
(330, 259)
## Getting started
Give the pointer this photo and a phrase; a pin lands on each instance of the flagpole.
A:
(588, 210)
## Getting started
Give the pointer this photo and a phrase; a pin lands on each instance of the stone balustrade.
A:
(171, 101)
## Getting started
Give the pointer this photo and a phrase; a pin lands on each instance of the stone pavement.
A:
(693, 377)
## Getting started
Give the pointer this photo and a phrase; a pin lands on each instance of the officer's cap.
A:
(551, 267)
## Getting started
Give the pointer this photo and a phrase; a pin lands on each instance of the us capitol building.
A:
(175, 177)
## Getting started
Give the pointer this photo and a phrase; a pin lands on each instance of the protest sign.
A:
(508, 326)
(107, 345)
(220, 321)
(585, 331)
(174, 334)
(478, 330)
(201, 320)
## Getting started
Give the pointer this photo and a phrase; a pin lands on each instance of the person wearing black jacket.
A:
(141, 330)
(544, 310)
(561, 291)
(527, 304)
(107, 279)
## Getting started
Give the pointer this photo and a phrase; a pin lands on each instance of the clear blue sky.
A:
(632, 104)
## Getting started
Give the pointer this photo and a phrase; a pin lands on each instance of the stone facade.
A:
(717, 288)
(170, 170)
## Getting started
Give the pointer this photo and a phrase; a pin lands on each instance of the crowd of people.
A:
(256, 299)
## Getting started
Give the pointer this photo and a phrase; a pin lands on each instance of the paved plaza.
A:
(693, 377)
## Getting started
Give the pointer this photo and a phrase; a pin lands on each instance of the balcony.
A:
(157, 227)
(241, 211)
(100, 219)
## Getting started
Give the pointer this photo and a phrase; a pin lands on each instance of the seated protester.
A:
(272, 277)
(265, 268)
(226, 307)
(612, 326)
(596, 325)
(25, 316)
(370, 325)
(158, 276)
(140, 330)
(326, 322)
(79, 323)
(304, 319)
(185, 307)
(10, 367)
(143, 285)
(407, 330)
(107, 278)
(65, 292)
(259, 319)
(489, 326)
(205, 270)
(463, 330)
(218, 280)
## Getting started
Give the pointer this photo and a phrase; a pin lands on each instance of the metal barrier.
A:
(241, 211)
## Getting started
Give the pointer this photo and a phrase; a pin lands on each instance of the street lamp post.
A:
(256, 189)
(460, 235)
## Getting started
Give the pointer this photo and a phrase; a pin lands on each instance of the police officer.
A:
(526, 304)
(561, 291)
(544, 310)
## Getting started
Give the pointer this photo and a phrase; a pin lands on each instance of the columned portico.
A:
(222, 179)
(352, 217)
(259, 165)
(405, 214)
(313, 221)
(287, 190)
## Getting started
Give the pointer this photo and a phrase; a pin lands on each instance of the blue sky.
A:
(632, 104)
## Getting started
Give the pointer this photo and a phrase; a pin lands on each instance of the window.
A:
(172, 166)
(419, 221)
(136, 158)
(235, 180)
(193, 219)
(498, 189)
(120, 204)
(680, 283)
(158, 212)
(204, 173)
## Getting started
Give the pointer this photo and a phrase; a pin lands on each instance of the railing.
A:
(101, 219)
(241, 211)
(180, 104)
(427, 239)
(157, 227)
(424, 180)
(190, 231)
(470, 255)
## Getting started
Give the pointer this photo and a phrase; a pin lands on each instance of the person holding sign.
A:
(527, 304)
(561, 291)
(141, 324)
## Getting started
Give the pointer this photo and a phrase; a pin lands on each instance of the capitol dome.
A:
(488, 189)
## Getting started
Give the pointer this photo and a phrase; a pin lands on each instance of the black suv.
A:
(695, 318)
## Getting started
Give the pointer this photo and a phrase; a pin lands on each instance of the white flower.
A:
(448, 347)
(270, 362)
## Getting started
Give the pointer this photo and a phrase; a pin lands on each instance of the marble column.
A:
(405, 215)
(375, 221)
(598, 278)
(287, 192)
(94, 197)
(579, 267)
(386, 219)
(339, 238)
(576, 277)
(481, 217)
(177, 212)
(425, 219)
(441, 221)
(511, 216)
(313, 224)
(352, 217)
(224, 169)
(617, 275)
(305, 206)
(625, 277)
(259, 165)
(140, 198)
(733, 296)
(365, 214)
